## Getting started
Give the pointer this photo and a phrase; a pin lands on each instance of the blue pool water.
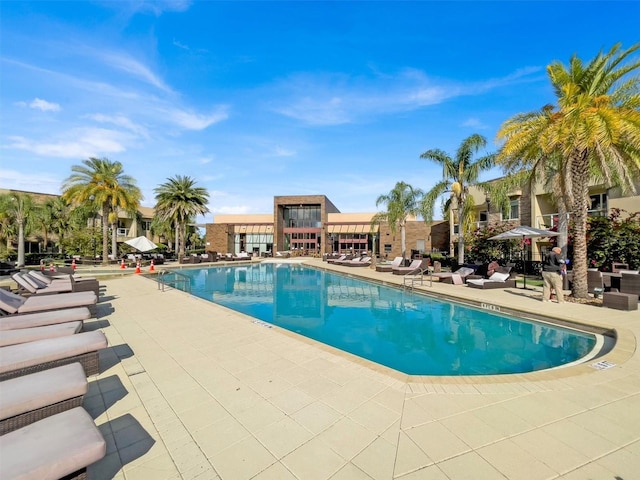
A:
(412, 333)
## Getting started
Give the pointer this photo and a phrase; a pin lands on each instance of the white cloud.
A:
(338, 99)
(180, 45)
(120, 121)
(43, 105)
(196, 121)
(77, 143)
(133, 67)
(42, 182)
(474, 123)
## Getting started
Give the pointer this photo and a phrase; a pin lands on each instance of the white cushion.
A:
(464, 271)
(499, 277)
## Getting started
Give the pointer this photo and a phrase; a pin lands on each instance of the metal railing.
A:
(177, 279)
(410, 280)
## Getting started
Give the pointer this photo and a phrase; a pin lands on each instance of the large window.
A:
(598, 202)
(304, 216)
(514, 210)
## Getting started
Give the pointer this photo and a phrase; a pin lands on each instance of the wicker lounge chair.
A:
(497, 280)
(24, 335)
(18, 360)
(415, 267)
(39, 319)
(13, 303)
(388, 267)
(457, 277)
(27, 399)
(59, 446)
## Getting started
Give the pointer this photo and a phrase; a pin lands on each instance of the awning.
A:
(253, 229)
(359, 228)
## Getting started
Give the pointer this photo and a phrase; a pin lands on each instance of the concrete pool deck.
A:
(189, 389)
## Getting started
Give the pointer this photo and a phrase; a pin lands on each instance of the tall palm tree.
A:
(401, 202)
(595, 128)
(458, 174)
(18, 210)
(103, 184)
(180, 200)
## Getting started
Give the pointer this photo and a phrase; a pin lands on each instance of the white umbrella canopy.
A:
(142, 244)
(520, 233)
(524, 232)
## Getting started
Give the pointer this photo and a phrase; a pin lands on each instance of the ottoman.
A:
(620, 301)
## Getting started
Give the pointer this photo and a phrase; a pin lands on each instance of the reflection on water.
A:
(410, 333)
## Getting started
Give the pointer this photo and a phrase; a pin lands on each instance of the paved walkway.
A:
(192, 390)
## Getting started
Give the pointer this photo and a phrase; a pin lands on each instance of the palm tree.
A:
(458, 175)
(180, 201)
(102, 183)
(401, 202)
(18, 209)
(595, 129)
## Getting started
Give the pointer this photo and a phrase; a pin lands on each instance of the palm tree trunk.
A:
(105, 234)
(177, 240)
(403, 241)
(563, 225)
(580, 182)
(460, 233)
(114, 240)
(21, 259)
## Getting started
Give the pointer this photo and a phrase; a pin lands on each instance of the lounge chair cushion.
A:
(51, 317)
(12, 303)
(24, 335)
(53, 447)
(499, 277)
(37, 390)
(16, 357)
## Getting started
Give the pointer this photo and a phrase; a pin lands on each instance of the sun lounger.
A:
(59, 446)
(28, 286)
(389, 266)
(51, 317)
(13, 303)
(357, 262)
(27, 399)
(341, 258)
(18, 360)
(415, 267)
(454, 277)
(497, 280)
(79, 284)
(24, 335)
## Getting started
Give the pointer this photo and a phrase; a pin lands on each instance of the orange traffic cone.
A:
(52, 268)
(42, 265)
(138, 267)
(152, 267)
(122, 265)
(73, 264)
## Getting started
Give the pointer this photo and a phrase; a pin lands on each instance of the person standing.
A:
(552, 271)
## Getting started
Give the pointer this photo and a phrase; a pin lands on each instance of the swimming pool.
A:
(408, 332)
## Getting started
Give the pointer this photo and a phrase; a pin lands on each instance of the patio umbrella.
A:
(142, 244)
(520, 233)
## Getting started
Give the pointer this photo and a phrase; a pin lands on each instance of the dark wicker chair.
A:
(630, 283)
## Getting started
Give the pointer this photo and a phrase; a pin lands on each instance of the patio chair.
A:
(24, 335)
(617, 266)
(341, 258)
(78, 284)
(13, 303)
(59, 446)
(18, 321)
(630, 283)
(363, 261)
(27, 399)
(497, 280)
(26, 358)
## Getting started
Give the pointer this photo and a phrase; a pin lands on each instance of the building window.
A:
(598, 202)
(514, 210)
(146, 225)
(484, 216)
(456, 228)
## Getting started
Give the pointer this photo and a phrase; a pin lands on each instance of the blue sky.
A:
(256, 99)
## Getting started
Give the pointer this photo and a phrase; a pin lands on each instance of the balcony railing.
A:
(551, 219)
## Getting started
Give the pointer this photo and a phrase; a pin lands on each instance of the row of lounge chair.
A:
(45, 359)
